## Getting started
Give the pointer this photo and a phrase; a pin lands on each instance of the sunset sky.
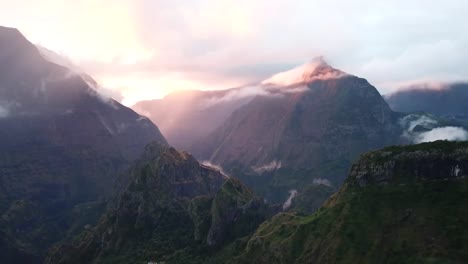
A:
(145, 49)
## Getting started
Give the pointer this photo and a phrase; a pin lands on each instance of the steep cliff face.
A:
(62, 144)
(399, 205)
(293, 138)
(418, 163)
(171, 209)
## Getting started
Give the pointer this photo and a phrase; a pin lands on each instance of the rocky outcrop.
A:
(399, 205)
(426, 162)
(170, 204)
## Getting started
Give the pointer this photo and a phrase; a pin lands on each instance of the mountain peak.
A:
(11, 40)
(9, 31)
(316, 69)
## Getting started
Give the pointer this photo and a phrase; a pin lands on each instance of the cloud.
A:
(75, 70)
(413, 120)
(303, 74)
(287, 203)
(246, 92)
(442, 133)
(274, 165)
(215, 166)
(4, 112)
(429, 130)
(8, 108)
(321, 181)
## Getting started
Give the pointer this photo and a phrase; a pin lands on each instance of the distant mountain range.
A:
(447, 100)
(62, 144)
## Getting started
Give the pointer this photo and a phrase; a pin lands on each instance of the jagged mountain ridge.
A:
(62, 144)
(172, 209)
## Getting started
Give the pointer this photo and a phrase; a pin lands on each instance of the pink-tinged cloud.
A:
(146, 49)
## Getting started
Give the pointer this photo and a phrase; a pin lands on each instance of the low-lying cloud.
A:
(105, 94)
(442, 133)
(7, 108)
(322, 181)
(274, 165)
(429, 130)
(214, 166)
(411, 121)
(249, 92)
(4, 112)
(288, 202)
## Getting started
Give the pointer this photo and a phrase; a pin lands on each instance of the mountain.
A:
(172, 210)
(444, 100)
(309, 125)
(62, 146)
(187, 116)
(398, 205)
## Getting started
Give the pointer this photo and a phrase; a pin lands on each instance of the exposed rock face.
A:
(292, 138)
(395, 166)
(398, 205)
(170, 202)
(61, 144)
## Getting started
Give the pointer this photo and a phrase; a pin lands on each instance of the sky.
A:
(145, 49)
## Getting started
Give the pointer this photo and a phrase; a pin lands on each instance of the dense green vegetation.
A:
(399, 221)
(441, 145)
(171, 210)
(421, 223)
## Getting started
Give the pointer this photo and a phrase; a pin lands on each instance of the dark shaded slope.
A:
(61, 144)
(173, 209)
